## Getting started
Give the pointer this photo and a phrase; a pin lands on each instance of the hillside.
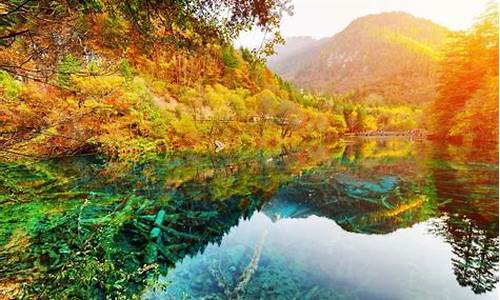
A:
(393, 55)
(113, 84)
(119, 83)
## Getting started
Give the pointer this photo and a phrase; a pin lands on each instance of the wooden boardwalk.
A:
(374, 133)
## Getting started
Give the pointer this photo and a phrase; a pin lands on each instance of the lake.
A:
(369, 218)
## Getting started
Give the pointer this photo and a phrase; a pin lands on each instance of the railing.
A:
(412, 133)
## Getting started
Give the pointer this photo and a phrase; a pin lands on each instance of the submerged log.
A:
(155, 233)
(166, 253)
(159, 217)
(150, 253)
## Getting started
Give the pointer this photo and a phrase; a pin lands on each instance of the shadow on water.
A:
(216, 226)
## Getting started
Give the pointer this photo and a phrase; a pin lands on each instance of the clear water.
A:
(369, 219)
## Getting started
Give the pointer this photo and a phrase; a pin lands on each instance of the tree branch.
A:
(15, 9)
(13, 34)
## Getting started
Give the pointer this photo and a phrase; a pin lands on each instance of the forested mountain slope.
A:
(393, 55)
(122, 78)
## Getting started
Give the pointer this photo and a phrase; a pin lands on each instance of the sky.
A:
(323, 18)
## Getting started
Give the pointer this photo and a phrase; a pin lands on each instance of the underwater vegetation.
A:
(98, 229)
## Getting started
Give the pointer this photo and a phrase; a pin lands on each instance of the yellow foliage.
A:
(97, 86)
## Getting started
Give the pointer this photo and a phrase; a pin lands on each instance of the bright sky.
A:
(322, 18)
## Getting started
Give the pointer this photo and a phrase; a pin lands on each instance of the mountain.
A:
(294, 46)
(393, 55)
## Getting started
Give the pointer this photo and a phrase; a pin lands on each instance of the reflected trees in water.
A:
(175, 206)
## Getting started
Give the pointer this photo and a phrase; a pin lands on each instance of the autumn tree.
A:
(467, 106)
(44, 31)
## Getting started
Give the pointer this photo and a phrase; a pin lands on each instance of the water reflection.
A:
(311, 253)
(470, 217)
(389, 219)
(313, 258)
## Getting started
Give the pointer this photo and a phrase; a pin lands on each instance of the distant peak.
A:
(392, 18)
(300, 38)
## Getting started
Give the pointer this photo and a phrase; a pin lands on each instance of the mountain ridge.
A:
(361, 58)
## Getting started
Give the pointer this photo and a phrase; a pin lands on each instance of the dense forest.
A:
(121, 78)
(466, 108)
(451, 76)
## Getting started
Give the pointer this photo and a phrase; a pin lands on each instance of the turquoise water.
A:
(366, 219)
